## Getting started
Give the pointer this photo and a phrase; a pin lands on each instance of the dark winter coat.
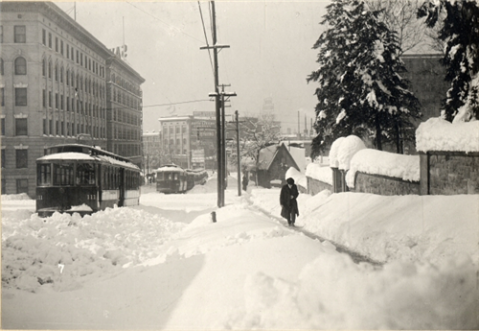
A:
(288, 202)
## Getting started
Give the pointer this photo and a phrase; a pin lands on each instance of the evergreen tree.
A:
(360, 90)
(460, 31)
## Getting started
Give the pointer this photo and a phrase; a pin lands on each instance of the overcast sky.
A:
(270, 53)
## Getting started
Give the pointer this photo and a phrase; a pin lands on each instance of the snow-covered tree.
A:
(360, 89)
(257, 133)
(460, 31)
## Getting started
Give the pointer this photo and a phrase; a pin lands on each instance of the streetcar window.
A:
(63, 174)
(85, 174)
(44, 174)
(176, 177)
(159, 176)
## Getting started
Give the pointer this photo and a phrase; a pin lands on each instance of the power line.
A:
(176, 103)
(206, 37)
(159, 20)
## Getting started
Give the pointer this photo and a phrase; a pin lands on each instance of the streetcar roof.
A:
(85, 157)
(66, 156)
(169, 168)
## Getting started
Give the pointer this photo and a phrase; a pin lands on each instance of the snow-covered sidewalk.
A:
(166, 265)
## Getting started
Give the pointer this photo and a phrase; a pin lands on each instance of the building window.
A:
(2, 92)
(44, 98)
(49, 98)
(1, 33)
(49, 69)
(61, 47)
(3, 126)
(44, 67)
(62, 102)
(49, 40)
(56, 72)
(44, 37)
(20, 66)
(78, 58)
(3, 160)
(61, 75)
(1, 66)
(21, 127)
(56, 100)
(67, 78)
(20, 96)
(22, 186)
(44, 126)
(22, 158)
(20, 35)
(56, 44)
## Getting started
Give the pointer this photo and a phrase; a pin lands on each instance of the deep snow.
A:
(166, 265)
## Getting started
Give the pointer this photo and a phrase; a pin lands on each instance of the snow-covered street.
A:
(166, 265)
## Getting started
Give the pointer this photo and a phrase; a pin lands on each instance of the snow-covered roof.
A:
(85, 157)
(374, 162)
(437, 134)
(66, 156)
(266, 156)
(169, 168)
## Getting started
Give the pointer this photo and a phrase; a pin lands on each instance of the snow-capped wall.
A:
(333, 152)
(348, 148)
(323, 174)
(374, 162)
(343, 149)
(437, 134)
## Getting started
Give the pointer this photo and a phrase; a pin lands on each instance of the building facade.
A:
(189, 141)
(54, 89)
(152, 151)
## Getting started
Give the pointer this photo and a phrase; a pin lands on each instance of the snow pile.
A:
(334, 293)
(21, 196)
(66, 250)
(333, 152)
(321, 173)
(374, 162)
(299, 178)
(348, 148)
(437, 134)
(387, 228)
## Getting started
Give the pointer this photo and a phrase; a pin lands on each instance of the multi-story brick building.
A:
(54, 89)
(152, 151)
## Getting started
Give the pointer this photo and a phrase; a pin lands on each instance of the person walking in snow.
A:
(287, 199)
(245, 181)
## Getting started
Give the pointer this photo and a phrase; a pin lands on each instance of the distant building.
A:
(189, 141)
(151, 151)
(57, 87)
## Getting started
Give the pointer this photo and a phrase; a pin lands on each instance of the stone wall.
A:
(382, 185)
(315, 186)
(449, 173)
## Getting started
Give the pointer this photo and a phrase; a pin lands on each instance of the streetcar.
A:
(84, 179)
(171, 178)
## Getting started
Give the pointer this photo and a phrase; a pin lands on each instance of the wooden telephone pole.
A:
(219, 100)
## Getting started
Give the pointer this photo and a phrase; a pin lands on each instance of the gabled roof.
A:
(268, 154)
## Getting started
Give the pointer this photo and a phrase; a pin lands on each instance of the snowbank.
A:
(66, 250)
(437, 134)
(299, 178)
(21, 196)
(387, 228)
(321, 173)
(374, 162)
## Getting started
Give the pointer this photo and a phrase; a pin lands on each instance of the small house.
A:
(273, 163)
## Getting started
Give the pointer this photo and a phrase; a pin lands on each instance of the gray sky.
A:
(270, 53)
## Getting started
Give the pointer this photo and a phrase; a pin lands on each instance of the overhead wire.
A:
(206, 37)
(165, 23)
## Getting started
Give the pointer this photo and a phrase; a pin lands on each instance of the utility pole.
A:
(219, 157)
(238, 154)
